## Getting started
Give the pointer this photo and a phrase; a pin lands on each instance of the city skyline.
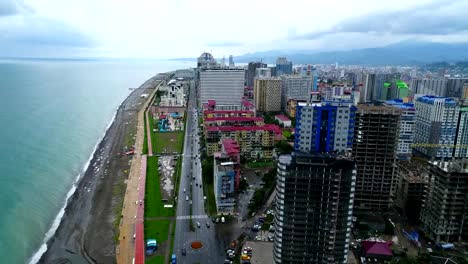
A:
(51, 28)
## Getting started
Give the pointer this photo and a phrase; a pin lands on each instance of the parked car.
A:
(184, 252)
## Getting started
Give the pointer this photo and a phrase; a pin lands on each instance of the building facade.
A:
(455, 87)
(251, 71)
(436, 126)
(313, 210)
(255, 142)
(267, 94)
(436, 87)
(296, 87)
(226, 176)
(224, 85)
(283, 66)
(325, 126)
(407, 126)
(445, 210)
(374, 148)
(461, 141)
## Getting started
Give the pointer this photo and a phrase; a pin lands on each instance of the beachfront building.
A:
(436, 126)
(232, 121)
(255, 142)
(407, 125)
(227, 113)
(224, 85)
(267, 94)
(226, 176)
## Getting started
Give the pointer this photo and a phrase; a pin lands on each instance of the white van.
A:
(186, 198)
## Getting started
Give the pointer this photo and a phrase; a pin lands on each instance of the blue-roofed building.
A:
(436, 126)
(407, 125)
(325, 126)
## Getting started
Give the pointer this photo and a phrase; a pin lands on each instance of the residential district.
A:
(294, 163)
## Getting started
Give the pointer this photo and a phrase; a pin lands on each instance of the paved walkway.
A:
(125, 249)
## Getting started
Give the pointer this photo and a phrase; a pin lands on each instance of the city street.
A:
(191, 178)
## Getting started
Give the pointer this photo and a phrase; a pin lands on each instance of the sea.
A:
(53, 113)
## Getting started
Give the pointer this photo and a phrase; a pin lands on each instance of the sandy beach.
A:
(87, 232)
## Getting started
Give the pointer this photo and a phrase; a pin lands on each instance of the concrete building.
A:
(325, 126)
(436, 126)
(436, 87)
(262, 72)
(255, 142)
(455, 87)
(231, 61)
(378, 87)
(251, 71)
(283, 120)
(445, 210)
(226, 176)
(206, 60)
(267, 94)
(224, 85)
(232, 121)
(283, 66)
(295, 87)
(227, 113)
(313, 210)
(413, 180)
(374, 149)
(461, 141)
(407, 126)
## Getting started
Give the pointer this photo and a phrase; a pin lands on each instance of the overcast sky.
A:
(186, 28)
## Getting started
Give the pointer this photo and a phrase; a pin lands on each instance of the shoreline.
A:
(79, 219)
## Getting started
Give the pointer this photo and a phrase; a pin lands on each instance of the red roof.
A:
(282, 117)
(236, 119)
(247, 104)
(228, 112)
(162, 116)
(211, 103)
(231, 146)
(268, 127)
(377, 248)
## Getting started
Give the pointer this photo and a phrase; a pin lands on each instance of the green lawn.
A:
(154, 207)
(259, 164)
(210, 200)
(155, 260)
(145, 139)
(157, 229)
(166, 141)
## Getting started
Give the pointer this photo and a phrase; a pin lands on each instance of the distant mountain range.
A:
(403, 53)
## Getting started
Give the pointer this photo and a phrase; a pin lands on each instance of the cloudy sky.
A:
(186, 28)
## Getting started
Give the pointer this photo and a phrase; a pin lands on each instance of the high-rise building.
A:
(262, 72)
(437, 87)
(206, 60)
(325, 126)
(445, 210)
(283, 66)
(374, 148)
(314, 205)
(251, 71)
(267, 94)
(436, 126)
(381, 87)
(224, 85)
(461, 141)
(296, 87)
(407, 125)
(455, 87)
(231, 61)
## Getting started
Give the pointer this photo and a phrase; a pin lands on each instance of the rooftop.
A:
(231, 146)
(430, 99)
(235, 119)
(398, 103)
(282, 117)
(268, 127)
(377, 248)
(228, 112)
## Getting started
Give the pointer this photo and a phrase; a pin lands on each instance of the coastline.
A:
(87, 219)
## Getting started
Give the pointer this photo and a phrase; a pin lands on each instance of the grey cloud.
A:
(224, 44)
(438, 18)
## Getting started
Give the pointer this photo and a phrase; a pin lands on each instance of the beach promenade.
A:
(135, 190)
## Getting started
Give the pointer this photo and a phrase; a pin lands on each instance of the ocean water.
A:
(52, 114)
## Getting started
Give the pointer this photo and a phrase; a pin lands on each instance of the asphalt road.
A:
(213, 246)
